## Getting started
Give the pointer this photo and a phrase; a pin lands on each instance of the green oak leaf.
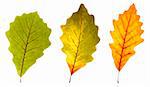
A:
(28, 36)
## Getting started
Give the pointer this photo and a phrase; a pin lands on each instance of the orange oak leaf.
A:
(126, 35)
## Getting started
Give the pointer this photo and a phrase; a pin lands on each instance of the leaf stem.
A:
(20, 80)
(70, 79)
(118, 78)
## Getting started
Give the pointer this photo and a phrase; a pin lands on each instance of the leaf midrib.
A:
(124, 39)
(26, 46)
(77, 52)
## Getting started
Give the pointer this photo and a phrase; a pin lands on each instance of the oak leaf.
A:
(80, 36)
(28, 36)
(126, 35)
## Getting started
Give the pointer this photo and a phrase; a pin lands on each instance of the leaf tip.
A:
(82, 8)
(82, 5)
(132, 8)
(133, 5)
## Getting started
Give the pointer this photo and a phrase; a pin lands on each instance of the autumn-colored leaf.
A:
(80, 36)
(28, 37)
(126, 35)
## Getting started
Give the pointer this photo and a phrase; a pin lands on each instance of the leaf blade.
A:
(21, 31)
(126, 35)
(80, 36)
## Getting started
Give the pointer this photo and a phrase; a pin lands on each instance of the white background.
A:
(51, 70)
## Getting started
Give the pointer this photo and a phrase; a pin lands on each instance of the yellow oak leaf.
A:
(80, 36)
